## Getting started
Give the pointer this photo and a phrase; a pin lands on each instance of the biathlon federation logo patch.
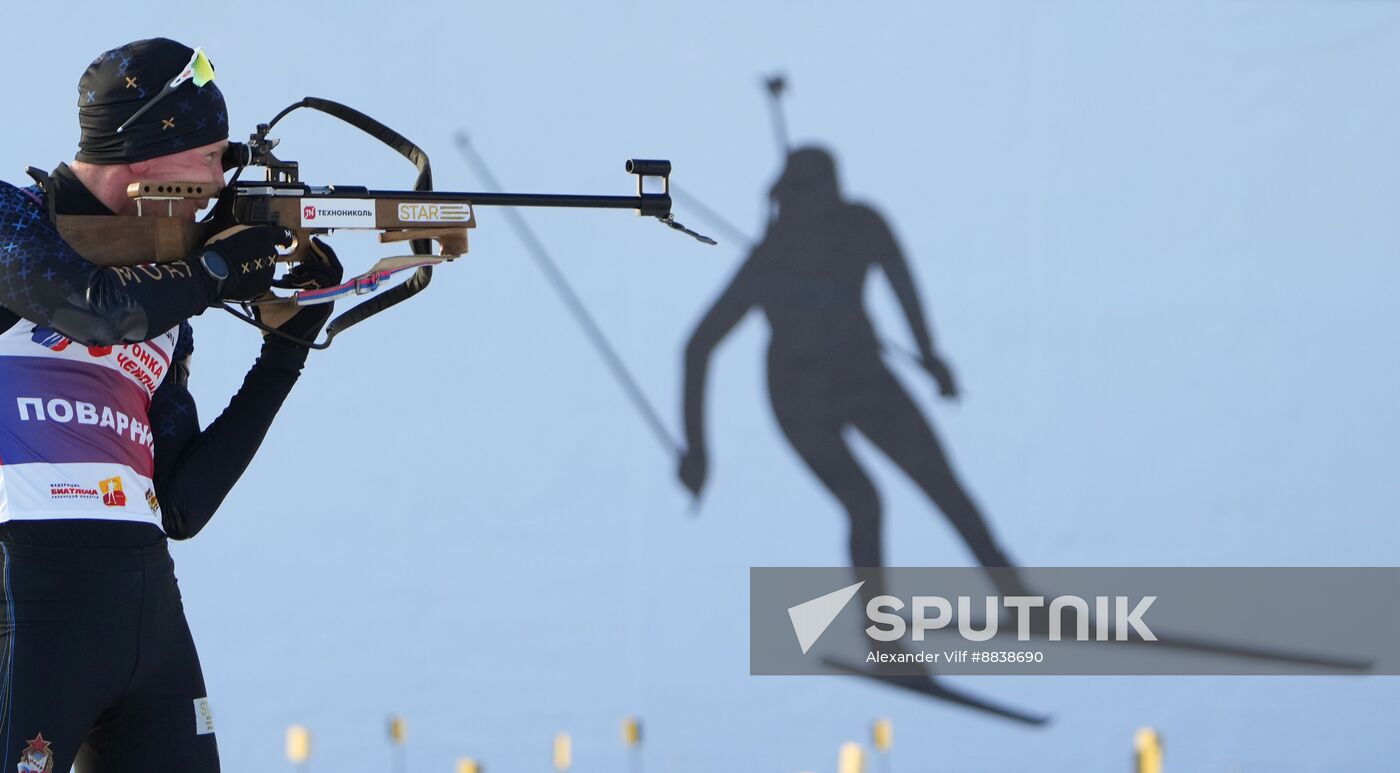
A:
(113, 495)
(36, 757)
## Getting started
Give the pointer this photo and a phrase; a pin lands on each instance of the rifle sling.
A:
(413, 153)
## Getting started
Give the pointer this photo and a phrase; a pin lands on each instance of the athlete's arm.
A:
(881, 243)
(736, 300)
(195, 470)
(46, 281)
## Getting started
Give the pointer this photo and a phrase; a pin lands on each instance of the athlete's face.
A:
(196, 165)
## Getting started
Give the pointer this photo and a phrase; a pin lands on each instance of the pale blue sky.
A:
(1157, 242)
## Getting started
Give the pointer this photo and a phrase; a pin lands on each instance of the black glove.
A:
(321, 270)
(246, 256)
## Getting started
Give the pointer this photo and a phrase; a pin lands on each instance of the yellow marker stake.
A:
(468, 765)
(298, 744)
(398, 752)
(398, 730)
(1148, 746)
(883, 734)
(631, 731)
(563, 752)
(851, 758)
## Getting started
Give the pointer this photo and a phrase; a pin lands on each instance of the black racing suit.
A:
(94, 647)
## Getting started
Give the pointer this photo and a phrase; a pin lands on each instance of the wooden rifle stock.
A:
(152, 237)
(106, 240)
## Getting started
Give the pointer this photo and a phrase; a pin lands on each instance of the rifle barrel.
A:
(648, 203)
(645, 202)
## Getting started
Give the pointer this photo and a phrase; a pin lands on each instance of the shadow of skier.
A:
(825, 371)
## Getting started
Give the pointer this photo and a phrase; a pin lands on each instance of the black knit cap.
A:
(119, 82)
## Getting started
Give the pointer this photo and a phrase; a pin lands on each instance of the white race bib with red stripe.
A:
(75, 440)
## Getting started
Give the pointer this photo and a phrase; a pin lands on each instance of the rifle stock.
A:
(155, 238)
(130, 241)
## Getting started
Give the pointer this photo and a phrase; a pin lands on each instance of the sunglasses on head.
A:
(198, 70)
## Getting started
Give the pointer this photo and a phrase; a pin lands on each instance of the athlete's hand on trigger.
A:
(322, 269)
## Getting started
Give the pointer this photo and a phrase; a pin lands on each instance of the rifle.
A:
(420, 216)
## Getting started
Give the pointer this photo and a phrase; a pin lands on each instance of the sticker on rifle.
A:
(425, 212)
(337, 213)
